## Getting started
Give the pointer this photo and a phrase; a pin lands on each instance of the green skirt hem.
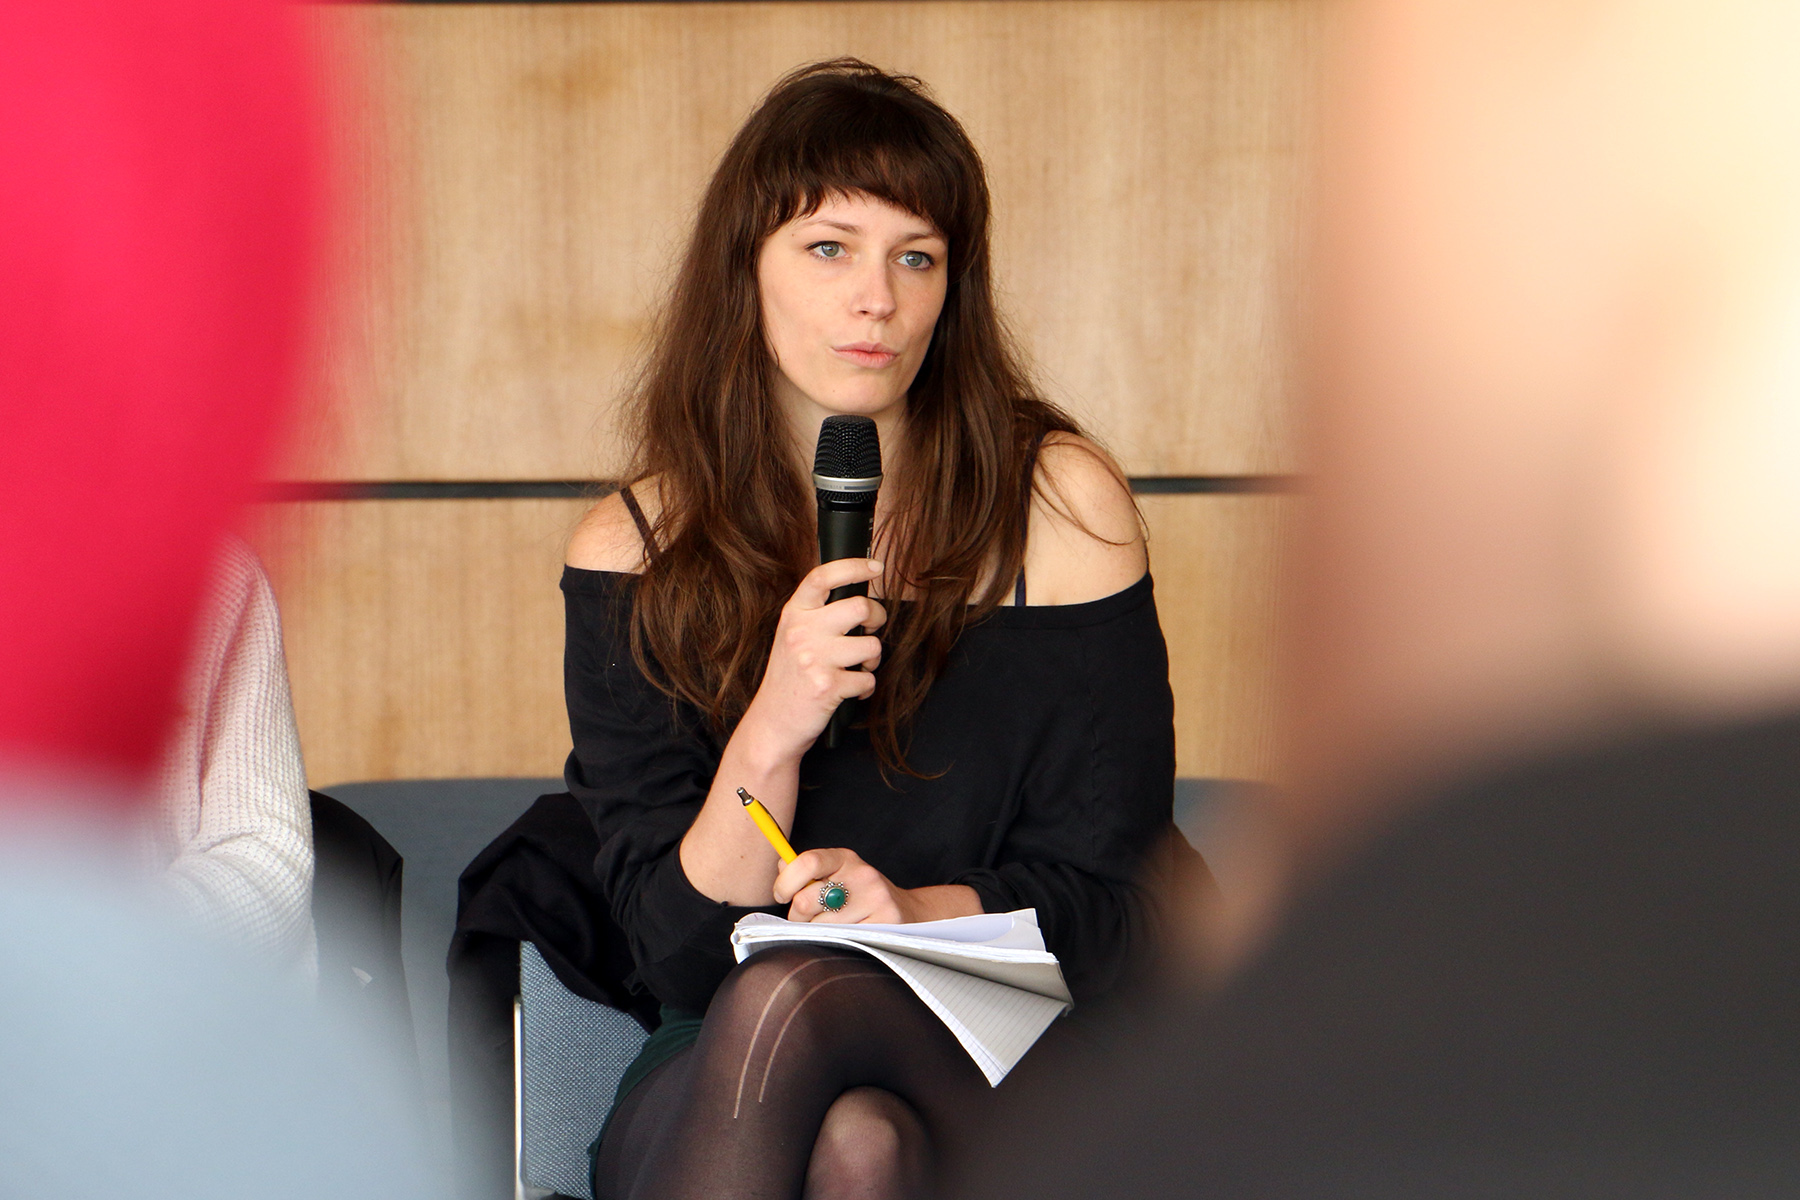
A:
(679, 1030)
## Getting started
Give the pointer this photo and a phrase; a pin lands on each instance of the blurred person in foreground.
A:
(233, 826)
(293, 880)
(156, 212)
(1531, 922)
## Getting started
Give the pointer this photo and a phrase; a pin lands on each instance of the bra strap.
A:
(637, 516)
(1031, 457)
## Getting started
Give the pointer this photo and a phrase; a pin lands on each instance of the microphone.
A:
(846, 475)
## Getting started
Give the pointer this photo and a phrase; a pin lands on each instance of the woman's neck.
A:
(805, 416)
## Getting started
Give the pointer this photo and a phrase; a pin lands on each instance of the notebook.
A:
(987, 977)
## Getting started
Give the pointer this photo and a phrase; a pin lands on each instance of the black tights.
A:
(818, 1074)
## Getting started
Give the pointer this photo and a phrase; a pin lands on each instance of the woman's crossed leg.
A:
(818, 1074)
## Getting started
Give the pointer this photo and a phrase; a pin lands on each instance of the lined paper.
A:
(997, 995)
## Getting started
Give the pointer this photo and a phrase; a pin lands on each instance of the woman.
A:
(1017, 746)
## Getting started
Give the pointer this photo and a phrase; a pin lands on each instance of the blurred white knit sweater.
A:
(234, 823)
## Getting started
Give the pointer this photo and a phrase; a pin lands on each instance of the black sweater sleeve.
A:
(1095, 806)
(641, 768)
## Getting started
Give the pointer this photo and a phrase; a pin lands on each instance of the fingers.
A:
(824, 670)
(804, 872)
(837, 573)
(872, 659)
(871, 900)
(864, 652)
(844, 653)
(857, 911)
(871, 896)
(823, 653)
(857, 685)
(841, 616)
(869, 613)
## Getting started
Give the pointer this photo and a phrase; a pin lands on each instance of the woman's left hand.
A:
(873, 897)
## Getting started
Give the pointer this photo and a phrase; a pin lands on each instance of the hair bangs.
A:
(877, 136)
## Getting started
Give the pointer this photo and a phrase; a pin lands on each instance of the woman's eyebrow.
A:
(915, 235)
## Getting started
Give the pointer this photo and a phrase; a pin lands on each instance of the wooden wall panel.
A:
(527, 174)
(424, 638)
(1216, 560)
(534, 169)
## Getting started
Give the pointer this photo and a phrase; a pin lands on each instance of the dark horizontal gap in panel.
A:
(441, 489)
(571, 489)
(1228, 485)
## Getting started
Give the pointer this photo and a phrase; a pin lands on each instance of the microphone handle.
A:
(844, 533)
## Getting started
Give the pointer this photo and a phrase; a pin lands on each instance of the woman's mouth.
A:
(866, 354)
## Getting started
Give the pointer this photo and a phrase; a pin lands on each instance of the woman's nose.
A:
(875, 294)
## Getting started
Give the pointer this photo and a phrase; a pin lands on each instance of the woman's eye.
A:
(917, 259)
(827, 249)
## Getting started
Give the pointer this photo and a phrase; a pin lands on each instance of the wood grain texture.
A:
(424, 638)
(529, 173)
(1217, 563)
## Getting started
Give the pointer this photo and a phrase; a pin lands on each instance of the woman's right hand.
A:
(813, 666)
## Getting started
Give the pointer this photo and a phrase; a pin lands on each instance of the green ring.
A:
(834, 897)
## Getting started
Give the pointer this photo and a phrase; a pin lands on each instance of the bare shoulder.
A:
(607, 538)
(1086, 539)
(1080, 485)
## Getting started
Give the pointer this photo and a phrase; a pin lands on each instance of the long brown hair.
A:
(733, 534)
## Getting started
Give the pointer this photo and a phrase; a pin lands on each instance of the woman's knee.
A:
(787, 979)
(872, 1144)
(780, 961)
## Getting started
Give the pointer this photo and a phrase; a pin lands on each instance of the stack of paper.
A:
(988, 977)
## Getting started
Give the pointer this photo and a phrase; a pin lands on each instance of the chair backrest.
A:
(572, 1053)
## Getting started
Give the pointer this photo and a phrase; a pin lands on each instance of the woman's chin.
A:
(860, 403)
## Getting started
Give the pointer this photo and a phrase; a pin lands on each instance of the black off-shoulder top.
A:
(1048, 751)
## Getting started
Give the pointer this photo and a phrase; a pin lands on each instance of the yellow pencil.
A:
(767, 824)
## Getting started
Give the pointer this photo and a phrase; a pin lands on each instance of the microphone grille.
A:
(849, 448)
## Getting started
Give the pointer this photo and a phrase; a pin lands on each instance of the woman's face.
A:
(850, 296)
